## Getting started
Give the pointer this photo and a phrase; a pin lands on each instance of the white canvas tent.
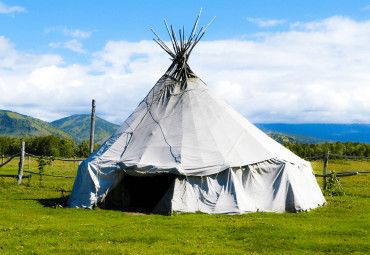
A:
(183, 149)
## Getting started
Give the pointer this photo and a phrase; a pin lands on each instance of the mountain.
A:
(78, 126)
(331, 132)
(17, 125)
(285, 137)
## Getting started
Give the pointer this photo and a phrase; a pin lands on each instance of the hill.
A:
(331, 132)
(17, 125)
(78, 126)
(285, 137)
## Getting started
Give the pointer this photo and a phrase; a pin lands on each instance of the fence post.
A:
(29, 162)
(21, 163)
(326, 161)
(2, 159)
(74, 162)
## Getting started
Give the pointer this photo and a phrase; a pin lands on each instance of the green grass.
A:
(31, 223)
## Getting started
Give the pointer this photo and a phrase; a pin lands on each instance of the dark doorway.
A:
(139, 194)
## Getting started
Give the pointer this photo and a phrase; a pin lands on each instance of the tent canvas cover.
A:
(183, 149)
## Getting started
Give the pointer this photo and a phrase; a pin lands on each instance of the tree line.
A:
(347, 148)
(50, 145)
(55, 146)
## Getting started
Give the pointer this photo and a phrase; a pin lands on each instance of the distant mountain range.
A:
(77, 127)
(17, 125)
(286, 137)
(328, 132)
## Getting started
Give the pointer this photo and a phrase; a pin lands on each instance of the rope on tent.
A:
(160, 127)
(128, 140)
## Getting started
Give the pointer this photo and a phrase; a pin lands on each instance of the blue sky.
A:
(43, 22)
(273, 61)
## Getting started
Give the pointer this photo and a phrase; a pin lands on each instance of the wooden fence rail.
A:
(10, 158)
(315, 157)
(325, 175)
(51, 158)
(61, 176)
(351, 157)
(22, 155)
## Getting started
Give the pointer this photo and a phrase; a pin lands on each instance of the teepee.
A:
(183, 149)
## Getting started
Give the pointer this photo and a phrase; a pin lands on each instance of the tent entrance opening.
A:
(139, 194)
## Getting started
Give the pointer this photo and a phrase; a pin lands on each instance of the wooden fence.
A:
(21, 154)
(325, 175)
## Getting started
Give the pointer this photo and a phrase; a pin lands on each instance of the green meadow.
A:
(31, 222)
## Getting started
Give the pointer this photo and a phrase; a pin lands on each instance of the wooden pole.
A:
(74, 162)
(326, 161)
(92, 127)
(2, 159)
(29, 162)
(21, 163)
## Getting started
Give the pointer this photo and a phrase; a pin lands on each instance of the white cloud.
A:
(75, 46)
(55, 45)
(11, 59)
(72, 45)
(77, 33)
(266, 23)
(4, 9)
(316, 72)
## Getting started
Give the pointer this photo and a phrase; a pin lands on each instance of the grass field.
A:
(31, 224)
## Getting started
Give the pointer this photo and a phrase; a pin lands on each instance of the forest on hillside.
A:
(55, 146)
(50, 145)
(347, 148)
